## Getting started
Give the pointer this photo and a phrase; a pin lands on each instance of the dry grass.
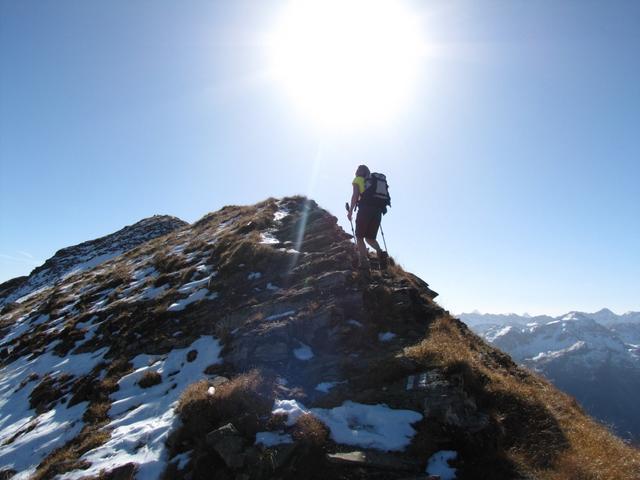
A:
(67, 458)
(52, 301)
(201, 412)
(47, 393)
(546, 433)
(196, 246)
(119, 367)
(95, 417)
(97, 412)
(310, 431)
(149, 379)
(120, 274)
(241, 401)
(24, 430)
(247, 250)
(166, 262)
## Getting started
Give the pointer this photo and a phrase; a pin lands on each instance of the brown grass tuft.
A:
(166, 262)
(149, 379)
(97, 412)
(201, 412)
(67, 457)
(119, 367)
(47, 393)
(310, 431)
(120, 274)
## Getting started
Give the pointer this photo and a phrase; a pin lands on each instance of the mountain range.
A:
(593, 356)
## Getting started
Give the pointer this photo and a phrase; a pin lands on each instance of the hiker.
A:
(370, 210)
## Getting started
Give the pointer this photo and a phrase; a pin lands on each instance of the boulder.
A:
(279, 455)
(370, 459)
(227, 442)
(272, 353)
(443, 398)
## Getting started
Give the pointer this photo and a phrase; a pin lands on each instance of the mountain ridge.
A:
(604, 316)
(88, 254)
(247, 346)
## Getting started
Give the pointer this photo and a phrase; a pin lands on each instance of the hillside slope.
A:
(245, 346)
(87, 255)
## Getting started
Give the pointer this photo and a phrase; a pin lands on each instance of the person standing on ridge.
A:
(370, 209)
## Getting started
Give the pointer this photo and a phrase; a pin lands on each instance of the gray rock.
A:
(371, 459)
(219, 380)
(229, 444)
(443, 397)
(332, 280)
(279, 455)
(272, 353)
(307, 328)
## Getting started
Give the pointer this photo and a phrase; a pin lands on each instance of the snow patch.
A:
(196, 296)
(503, 331)
(280, 315)
(291, 408)
(143, 417)
(386, 336)
(53, 428)
(280, 214)
(558, 353)
(150, 293)
(189, 287)
(438, 464)
(326, 386)
(268, 238)
(367, 426)
(303, 353)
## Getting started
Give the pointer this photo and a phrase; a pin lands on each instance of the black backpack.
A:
(376, 192)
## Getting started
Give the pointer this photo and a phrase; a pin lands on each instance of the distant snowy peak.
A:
(575, 335)
(88, 254)
(604, 317)
(476, 318)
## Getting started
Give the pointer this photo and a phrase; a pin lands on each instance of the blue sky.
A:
(514, 170)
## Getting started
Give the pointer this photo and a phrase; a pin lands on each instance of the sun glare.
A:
(347, 63)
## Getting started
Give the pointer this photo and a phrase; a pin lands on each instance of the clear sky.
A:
(514, 167)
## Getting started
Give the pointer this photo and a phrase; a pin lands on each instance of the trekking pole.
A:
(346, 205)
(383, 239)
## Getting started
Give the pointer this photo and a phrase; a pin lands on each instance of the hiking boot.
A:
(383, 260)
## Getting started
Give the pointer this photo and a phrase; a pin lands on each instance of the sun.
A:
(347, 63)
